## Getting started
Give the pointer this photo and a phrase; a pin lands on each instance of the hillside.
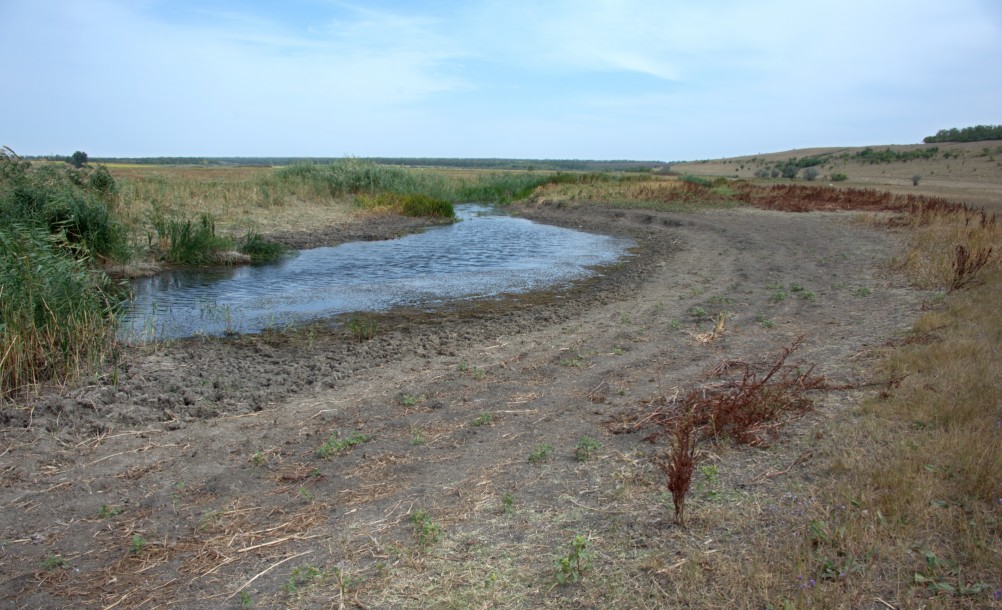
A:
(970, 172)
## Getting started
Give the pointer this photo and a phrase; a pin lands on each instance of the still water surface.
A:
(486, 254)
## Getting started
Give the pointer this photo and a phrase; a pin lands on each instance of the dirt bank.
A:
(267, 469)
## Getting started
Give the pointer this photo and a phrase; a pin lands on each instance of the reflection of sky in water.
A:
(485, 254)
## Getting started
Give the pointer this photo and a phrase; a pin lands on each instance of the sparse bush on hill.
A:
(839, 177)
(869, 155)
(811, 173)
(789, 171)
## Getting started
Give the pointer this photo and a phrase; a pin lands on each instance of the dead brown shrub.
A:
(965, 267)
(745, 409)
(678, 465)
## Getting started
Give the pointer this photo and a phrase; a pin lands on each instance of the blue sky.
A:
(581, 79)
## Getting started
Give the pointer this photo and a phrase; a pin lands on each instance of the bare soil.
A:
(193, 474)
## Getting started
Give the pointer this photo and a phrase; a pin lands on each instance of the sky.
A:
(661, 80)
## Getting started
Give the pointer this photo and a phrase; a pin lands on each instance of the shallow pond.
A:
(487, 253)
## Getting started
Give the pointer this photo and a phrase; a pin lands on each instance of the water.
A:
(486, 254)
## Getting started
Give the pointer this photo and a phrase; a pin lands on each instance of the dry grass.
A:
(931, 259)
(906, 512)
(652, 192)
(240, 199)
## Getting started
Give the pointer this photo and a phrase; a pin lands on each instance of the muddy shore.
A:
(209, 450)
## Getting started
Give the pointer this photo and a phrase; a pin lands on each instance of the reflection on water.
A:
(486, 254)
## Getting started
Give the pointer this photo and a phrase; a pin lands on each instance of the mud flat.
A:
(286, 469)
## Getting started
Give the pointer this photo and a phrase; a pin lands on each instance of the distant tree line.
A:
(967, 134)
(510, 164)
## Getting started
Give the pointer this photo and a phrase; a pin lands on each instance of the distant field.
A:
(969, 172)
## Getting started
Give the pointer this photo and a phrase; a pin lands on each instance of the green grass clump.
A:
(186, 241)
(540, 453)
(426, 530)
(586, 448)
(424, 205)
(415, 205)
(335, 446)
(696, 180)
(261, 250)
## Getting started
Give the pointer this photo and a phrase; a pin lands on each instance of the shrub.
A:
(811, 173)
(60, 199)
(839, 177)
(789, 171)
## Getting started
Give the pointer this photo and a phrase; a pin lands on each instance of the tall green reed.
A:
(56, 313)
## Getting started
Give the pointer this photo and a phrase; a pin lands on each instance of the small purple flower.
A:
(997, 594)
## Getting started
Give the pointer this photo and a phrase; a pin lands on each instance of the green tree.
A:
(79, 159)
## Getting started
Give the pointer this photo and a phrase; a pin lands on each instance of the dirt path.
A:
(273, 469)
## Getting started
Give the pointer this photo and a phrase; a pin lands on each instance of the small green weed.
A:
(586, 448)
(53, 562)
(138, 543)
(426, 531)
(484, 419)
(572, 566)
(674, 324)
(409, 400)
(778, 296)
(861, 291)
(764, 322)
(540, 453)
(417, 438)
(721, 300)
(576, 361)
(361, 329)
(108, 512)
(245, 600)
(802, 292)
(508, 503)
(335, 446)
(697, 312)
(302, 575)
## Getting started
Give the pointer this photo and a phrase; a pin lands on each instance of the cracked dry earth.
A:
(220, 472)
